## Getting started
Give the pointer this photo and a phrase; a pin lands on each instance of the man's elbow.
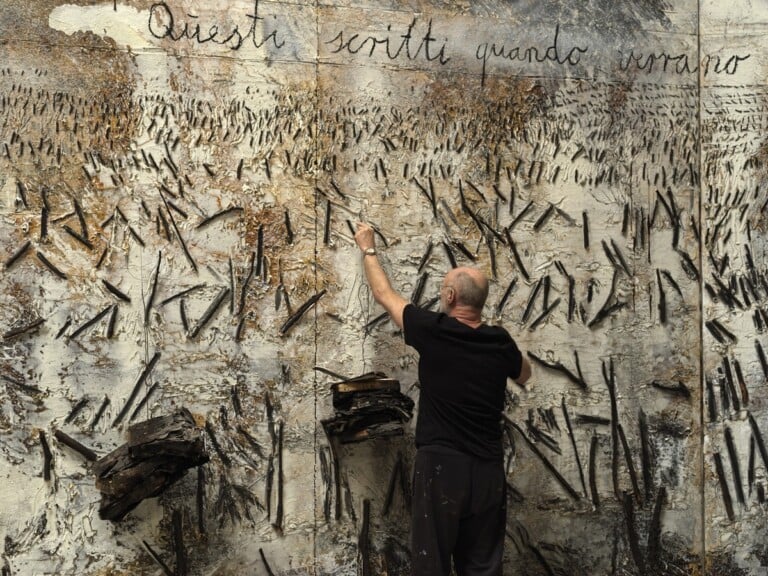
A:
(525, 373)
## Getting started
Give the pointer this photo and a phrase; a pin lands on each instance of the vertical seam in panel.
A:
(315, 132)
(702, 424)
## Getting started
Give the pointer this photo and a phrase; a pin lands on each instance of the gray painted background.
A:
(604, 163)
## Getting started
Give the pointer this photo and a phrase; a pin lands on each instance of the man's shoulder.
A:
(415, 317)
(418, 312)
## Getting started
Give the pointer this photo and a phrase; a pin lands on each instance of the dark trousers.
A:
(459, 512)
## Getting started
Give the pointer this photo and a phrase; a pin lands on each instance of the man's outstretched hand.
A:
(364, 236)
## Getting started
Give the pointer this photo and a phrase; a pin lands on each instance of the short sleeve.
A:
(515, 360)
(415, 323)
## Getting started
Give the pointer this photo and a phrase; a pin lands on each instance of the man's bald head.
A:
(471, 286)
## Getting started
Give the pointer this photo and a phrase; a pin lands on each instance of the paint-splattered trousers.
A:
(458, 513)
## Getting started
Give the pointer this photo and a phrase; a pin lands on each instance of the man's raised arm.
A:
(377, 279)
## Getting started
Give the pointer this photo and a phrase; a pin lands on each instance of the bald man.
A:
(459, 489)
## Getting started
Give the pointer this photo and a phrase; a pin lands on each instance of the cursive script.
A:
(679, 63)
(164, 23)
(553, 53)
(394, 47)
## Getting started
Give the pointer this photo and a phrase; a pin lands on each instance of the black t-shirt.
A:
(463, 373)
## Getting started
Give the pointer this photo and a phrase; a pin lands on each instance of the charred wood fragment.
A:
(158, 452)
(368, 406)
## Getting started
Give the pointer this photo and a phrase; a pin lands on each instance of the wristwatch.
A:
(370, 251)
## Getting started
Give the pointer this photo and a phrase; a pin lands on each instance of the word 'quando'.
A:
(552, 53)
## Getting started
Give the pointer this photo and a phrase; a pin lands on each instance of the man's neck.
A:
(466, 315)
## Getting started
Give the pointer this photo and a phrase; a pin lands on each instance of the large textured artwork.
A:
(179, 186)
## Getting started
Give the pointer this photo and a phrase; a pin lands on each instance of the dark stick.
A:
(259, 250)
(23, 329)
(531, 299)
(363, 542)
(733, 457)
(156, 557)
(645, 455)
(449, 254)
(266, 564)
(278, 523)
(391, 486)
(143, 401)
(543, 218)
(544, 314)
(50, 266)
(76, 410)
(327, 226)
(206, 221)
(296, 316)
(520, 216)
(611, 385)
(505, 297)
(99, 412)
(326, 475)
(90, 322)
(255, 446)
(178, 234)
(201, 499)
(516, 255)
(751, 464)
(742, 383)
(731, 387)
(47, 456)
(231, 286)
(116, 291)
(560, 479)
(183, 315)
(181, 294)
(653, 552)
(558, 366)
(144, 375)
(85, 452)
(268, 487)
(630, 464)
(593, 472)
(84, 241)
(112, 322)
(634, 541)
(761, 357)
(153, 289)
(216, 446)
(575, 448)
(425, 256)
(212, 308)
(288, 230)
(662, 304)
(18, 254)
(711, 401)
(182, 569)
(723, 486)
